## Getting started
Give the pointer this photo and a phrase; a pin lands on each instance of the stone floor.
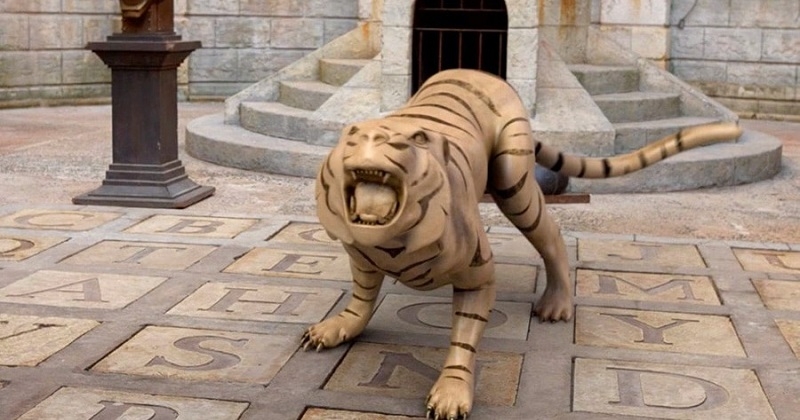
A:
(112, 313)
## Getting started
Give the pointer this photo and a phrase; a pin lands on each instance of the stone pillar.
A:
(144, 60)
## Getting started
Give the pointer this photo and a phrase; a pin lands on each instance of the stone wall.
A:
(744, 53)
(43, 60)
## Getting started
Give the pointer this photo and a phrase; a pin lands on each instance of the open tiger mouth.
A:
(373, 197)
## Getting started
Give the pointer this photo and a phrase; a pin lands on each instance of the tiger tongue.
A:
(374, 202)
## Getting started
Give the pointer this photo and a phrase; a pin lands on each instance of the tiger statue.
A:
(401, 193)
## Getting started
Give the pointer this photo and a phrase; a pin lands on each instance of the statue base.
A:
(145, 169)
(153, 186)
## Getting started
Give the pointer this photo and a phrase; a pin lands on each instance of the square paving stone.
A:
(432, 315)
(20, 247)
(516, 278)
(57, 219)
(791, 332)
(667, 391)
(646, 287)
(201, 355)
(657, 331)
(155, 255)
(254, 302)
(29, 340)
(326, 414)
(399, 371)
(779, 294)
(512, 245)
(639, 254)
(291, 263)
(97, 404)
(768, 261)
(196, 226)
(80, 290)
(305, 233)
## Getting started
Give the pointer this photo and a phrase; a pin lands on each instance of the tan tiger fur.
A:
(401, 193)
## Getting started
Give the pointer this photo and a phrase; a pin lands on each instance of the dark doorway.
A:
(458, 34)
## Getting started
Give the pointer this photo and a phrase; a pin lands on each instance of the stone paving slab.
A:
(112, 313)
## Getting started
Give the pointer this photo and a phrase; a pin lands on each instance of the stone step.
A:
(305, 94)
(337, 71)
(601, 80)
(638, 106)
(634, 135)
(275, 119)
(210, 139)
(754, 157)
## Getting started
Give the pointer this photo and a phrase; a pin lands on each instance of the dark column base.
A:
(141, 185)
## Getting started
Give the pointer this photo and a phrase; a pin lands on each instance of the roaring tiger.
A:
(401, 193)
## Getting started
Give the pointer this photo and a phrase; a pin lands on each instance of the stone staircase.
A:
(614, 103)
(291, 116)
(638, 117)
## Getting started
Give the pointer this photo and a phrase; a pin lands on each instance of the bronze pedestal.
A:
(144, 60)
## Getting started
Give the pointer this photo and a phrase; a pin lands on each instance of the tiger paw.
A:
(554, 306)
(328, 333)
(450, 398)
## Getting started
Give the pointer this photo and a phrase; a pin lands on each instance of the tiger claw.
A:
(319, 347)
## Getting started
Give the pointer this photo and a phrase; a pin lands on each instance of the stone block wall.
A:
(43, 60)
(641, 26)
(744, 53)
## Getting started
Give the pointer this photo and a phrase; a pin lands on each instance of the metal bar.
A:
(460, 48)
(480, 51)
(441, 36)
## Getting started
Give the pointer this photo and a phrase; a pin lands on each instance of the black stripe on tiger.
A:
(523, 211)
(393, 252)
(432, 119)
(511, 191)
(465, 346)
(448, 109)
(460, 101)
(679, 141)
(352, 312)
(469, 315)
(477, 257)
(642, 159)
(424, 202)
(511, 121)
(535, 224)
(326, 186)
(458, 367)
(511, 152)
(456, 377)
(606, 167)
(364, 287)
(363, 299)
(352, 131)
(583, 168)
(398, 164)
(467, 86)
(419, 277)
(559, 163)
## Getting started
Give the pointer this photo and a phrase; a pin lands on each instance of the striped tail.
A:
(688, 138)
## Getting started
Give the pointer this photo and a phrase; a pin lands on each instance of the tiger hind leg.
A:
(516, 193)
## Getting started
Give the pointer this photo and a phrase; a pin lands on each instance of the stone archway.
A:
(469, 34)
(396, 50)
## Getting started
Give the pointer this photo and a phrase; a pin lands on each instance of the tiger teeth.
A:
(386, 178)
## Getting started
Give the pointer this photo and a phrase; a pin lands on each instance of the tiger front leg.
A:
(452, 395)
(349, 323)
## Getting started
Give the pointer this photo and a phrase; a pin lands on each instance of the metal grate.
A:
(458, 34)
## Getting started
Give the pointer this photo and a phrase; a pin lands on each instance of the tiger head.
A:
(385, 180)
